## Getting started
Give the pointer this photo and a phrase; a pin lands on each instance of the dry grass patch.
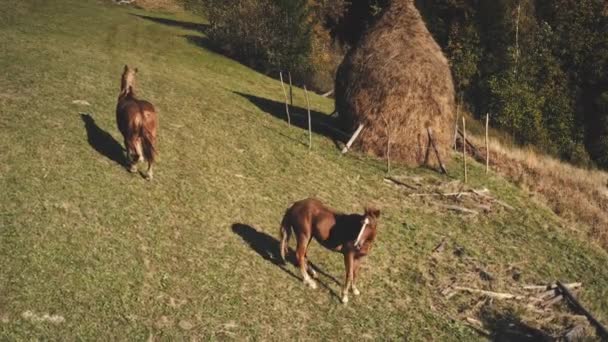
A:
(576, 194)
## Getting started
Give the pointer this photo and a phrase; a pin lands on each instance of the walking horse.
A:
(137, 121)
(350, 234)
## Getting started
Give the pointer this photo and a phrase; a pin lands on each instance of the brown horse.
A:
(137, 121)
(349, 234)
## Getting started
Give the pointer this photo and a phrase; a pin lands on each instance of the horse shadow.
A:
(269, 249)
(321, 123)
(102, 141)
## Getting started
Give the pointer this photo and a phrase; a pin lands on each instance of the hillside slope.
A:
(89, 250)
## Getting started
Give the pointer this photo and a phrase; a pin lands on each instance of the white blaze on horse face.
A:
(365, 223)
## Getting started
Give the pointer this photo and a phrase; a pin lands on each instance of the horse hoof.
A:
(312, 284)
(133, 168)
(345, 299)
(356, 291)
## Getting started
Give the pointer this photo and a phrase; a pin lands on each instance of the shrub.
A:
(269, 35)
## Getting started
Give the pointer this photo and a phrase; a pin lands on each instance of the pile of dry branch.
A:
(452, 196)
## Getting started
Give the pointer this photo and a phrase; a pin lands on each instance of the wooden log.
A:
(487, 144)
(309, 121)
(464, 148)
(602, 331)
(286, 100)
(472, 148)
(496, 295)
(449, 194)
(352, 139)
(432, 141)
(570, 286)
(552, 301)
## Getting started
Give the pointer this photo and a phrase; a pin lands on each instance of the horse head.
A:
(127, 80)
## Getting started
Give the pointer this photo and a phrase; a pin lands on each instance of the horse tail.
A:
(285, 233)
(148, 142)
(147, 132)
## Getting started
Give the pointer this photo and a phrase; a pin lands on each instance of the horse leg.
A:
(349, 265)
(356, 291)
(311, 270)
(149, 172)
(302, 262)
(131, 164)
(285, 233)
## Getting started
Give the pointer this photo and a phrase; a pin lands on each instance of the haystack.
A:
(397, 82)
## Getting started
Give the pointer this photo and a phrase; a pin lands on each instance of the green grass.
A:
(176, 258)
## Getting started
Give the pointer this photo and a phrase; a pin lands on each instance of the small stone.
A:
(186, 325)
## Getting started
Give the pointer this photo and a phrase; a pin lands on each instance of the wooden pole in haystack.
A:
(309, 121)
(352, 139)
(464, 147)
(286, 100)
(432, 141)
(487, 143)
(290, 90)
(456, 126)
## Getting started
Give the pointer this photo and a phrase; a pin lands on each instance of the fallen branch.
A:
(329, 93)
(552, 301)
(577, 305)
(439, 246)
(479, 193)
(459, 209)
(398, 182)
(476, 325)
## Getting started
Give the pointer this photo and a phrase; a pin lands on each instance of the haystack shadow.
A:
(205, 43)
(102, 141)
(175, 23)
(321, 123)
(268, 248)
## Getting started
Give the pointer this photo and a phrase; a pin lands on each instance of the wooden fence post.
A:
(487, 144)
(456, 126)
(286, 100)
(290, 90)
(464, 147)
(309, 121)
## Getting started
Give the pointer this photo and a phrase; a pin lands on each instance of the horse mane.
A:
(126, 92)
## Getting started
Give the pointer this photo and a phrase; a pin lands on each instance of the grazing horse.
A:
(349, 234)
(137, 121)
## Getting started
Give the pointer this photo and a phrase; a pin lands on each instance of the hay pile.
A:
(397, 82)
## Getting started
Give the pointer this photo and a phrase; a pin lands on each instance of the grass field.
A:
(106, 255)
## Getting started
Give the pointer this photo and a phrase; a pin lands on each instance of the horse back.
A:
(132, 114)
(311, 217)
